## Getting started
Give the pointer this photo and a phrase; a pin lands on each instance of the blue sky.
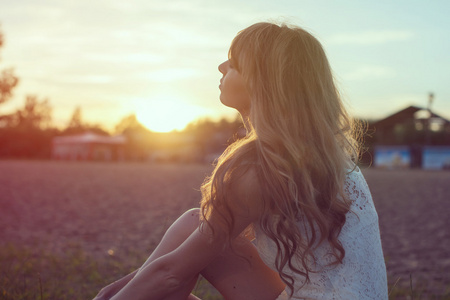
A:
(160, 58)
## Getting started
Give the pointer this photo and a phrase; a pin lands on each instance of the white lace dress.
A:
(362, 275)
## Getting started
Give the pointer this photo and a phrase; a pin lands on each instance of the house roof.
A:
(89, 137)
(401, 116)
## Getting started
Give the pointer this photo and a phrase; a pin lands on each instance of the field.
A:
(67, 229)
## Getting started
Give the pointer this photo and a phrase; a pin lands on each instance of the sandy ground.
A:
(125, 208)
(413, 209)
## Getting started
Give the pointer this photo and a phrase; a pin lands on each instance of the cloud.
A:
(366, 72)
(130, 57)
(371, 37)
(88, 79)
(174, 74)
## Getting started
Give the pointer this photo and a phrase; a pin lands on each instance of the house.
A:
(413, 137)
(88, 146)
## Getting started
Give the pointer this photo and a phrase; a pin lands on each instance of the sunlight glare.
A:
(165, 113)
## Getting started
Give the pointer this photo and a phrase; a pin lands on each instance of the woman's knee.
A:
(186, 223)
(191, 217)
(193, 212)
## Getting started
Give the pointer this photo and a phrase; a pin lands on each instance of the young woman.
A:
(286, 214)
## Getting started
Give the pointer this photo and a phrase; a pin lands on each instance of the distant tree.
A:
(213, 137)
(7, 80)
(7, 120)
(35, 114)
(76, 119)
(139, 140)
(29, 131)
(129, 123)
(75, 125)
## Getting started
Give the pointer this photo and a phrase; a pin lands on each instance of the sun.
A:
(167, 112)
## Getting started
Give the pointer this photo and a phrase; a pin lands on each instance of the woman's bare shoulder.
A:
(246, 190)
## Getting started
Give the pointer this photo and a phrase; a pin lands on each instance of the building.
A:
(413, 137)
(89, 146)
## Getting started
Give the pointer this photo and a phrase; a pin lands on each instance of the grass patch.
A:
(412, 291)
(33, 274)
(36, 274)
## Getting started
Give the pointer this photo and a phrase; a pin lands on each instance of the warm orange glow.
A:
(165, 113)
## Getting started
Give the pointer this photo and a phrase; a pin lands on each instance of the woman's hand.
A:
(110, 290)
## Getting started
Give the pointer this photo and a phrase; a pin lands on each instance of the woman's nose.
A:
(222, 67)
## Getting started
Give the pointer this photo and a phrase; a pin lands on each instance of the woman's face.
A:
(233, 92)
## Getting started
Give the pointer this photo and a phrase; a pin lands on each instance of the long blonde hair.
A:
(300, 142)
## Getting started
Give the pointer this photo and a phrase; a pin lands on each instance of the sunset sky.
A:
(159, 58)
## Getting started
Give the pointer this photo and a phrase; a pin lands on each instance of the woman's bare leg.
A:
(177, 233)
